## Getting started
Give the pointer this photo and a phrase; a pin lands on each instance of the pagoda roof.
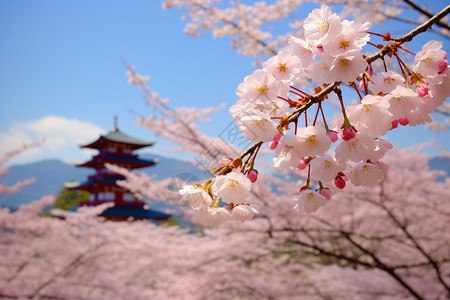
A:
(124, 212)
(116, 136)
(118, 159)
(95, 183)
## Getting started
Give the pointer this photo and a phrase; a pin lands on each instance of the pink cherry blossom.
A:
(324, 168)
(258, 127)
(259, 87)
(347, 67)
(401, 101)
(311, 141)
(197, 197)
(285, 155)
(355, 149)
(321, 25)
(309, 201)
(303, 50)
(352, 37)
(385, 82)
(243, 212)
(366, 174)
(232, 187)
(430, 60)
(283, 66)
(214, 216)
(371, 117)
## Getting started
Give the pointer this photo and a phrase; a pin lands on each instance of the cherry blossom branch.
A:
(384, 267)
(379, 54)
(426, 13)
(404, 229)
(409, 36)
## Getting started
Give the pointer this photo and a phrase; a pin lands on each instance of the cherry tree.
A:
(337, 225)
(251, 25)
(272, 102)
(5, 189)
(388, 241)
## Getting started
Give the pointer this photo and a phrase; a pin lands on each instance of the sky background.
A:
(61, 75)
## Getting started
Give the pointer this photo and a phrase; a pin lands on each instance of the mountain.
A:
(51, 174)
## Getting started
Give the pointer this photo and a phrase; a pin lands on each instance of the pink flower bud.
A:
(442, 65)
(348, 133)
(277, 137)
(252, 175)
(370, 71)
(302, 164)
(333, 135)
(224, 161)
(403, 121)
(394, 124)
(361, 85)
(326, 193)
(273, 145)
(422, 89)
(339, 182)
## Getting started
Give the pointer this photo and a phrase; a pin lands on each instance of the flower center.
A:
(344, 44)
(367, 108)
(282, 68)
(262, 89)
(311, 140)
(343, 62)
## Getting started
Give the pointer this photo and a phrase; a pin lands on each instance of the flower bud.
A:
(252, 175)
(403, 121)
(361, 85)
(339, 182)
(394, 124)
(442, 66)
(302, 164)
(326, 193)
(225, 161)
(348, 133)
(277, 137)
(273, 145)
(422, 89)
(333, 135)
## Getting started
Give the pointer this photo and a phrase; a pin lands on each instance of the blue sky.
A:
(61, 75)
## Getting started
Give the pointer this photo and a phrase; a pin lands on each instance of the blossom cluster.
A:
(231, 189)
(270, 103)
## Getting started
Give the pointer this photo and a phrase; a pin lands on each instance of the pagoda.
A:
(116, 148)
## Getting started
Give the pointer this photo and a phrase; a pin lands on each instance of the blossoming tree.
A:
(271, 105)
(310, 235)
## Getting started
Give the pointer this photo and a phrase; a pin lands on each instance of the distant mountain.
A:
(51, 174)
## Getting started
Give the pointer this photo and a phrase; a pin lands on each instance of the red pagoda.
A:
(116, 148)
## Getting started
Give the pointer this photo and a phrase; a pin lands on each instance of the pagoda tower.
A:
(116, 148)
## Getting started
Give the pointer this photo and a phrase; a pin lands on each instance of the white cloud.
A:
(62, 138)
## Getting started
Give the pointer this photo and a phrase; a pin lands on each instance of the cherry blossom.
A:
(311, 141)
(431, 60)
(232, 187)
(367, 174)
(324, 168)
(385, 82)
(309, 201)
(371, 117)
